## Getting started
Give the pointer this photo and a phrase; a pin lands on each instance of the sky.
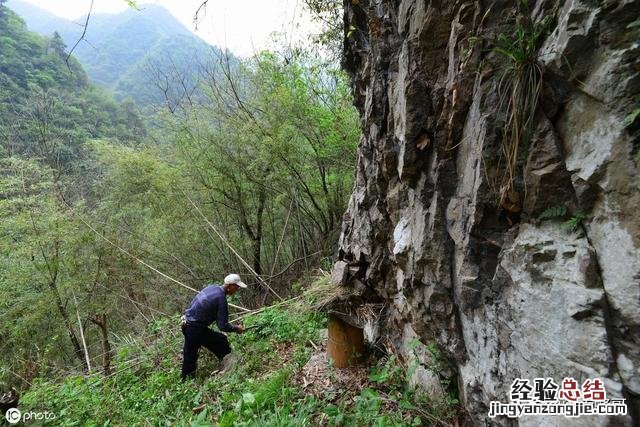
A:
(243, 26)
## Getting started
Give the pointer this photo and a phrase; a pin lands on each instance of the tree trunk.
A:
(101, 322)
(77, 349)
(257, 241)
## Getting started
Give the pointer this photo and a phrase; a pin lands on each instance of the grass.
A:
(260, 390)
(519, 92)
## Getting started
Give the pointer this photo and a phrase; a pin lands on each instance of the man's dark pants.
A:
(200, 336)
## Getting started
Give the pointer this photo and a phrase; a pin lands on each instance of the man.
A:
(209, 305)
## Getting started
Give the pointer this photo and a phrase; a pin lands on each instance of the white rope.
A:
(265, 284)
(284, 229)
(124, 251)
(84, 343)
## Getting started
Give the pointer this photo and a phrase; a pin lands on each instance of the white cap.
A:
(234, 279)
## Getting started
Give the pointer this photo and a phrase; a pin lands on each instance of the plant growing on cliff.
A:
(519, 91)
(630, 118)
(575, 221)
(560, 212)
(557, 211)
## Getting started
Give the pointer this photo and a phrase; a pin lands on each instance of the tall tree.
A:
(57, 44)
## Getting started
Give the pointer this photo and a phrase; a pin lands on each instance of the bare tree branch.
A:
(201, 8)
(84, 33)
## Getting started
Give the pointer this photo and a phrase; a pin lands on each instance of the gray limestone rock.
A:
(500, 293)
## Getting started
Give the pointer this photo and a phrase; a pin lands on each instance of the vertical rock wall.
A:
(502, 293)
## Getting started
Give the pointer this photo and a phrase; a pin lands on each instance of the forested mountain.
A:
(106, 233)
(131, 52)
(46, 100)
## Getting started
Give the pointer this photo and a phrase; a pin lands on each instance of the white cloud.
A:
(240, 25)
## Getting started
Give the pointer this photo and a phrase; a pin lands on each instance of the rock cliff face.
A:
(458, 253)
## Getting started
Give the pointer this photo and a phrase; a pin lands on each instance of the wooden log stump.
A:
(345, 344)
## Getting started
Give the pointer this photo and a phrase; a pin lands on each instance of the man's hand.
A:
(239, 329)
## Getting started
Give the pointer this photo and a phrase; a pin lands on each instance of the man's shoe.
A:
(228, 362)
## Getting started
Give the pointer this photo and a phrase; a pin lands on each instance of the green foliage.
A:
(121, 42)
(48, 113)
(133, 52)
(152, 390)
(94, 211)
(575, 221)
(283, 326)
(631, 118)
(328, 14)
(392, 379)
(521, 46)
(133, 197)
(274, 139)
(260, 390)
(165, 73)
(437, 363)
(519, 89)
(558, 211)
(391, 372)
(38, 244)
(27, 59)
(47, 108)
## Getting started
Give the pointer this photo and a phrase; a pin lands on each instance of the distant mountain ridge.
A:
(48, 108)
(118, 49)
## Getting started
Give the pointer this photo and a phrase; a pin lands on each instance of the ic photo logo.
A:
(13, 415)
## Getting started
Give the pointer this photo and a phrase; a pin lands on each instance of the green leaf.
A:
(631, 118)
(574, 221)
(248, 398)
(379, 377)
(553, 212)
(634, 24)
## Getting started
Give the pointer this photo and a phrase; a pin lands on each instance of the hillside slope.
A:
(45, 99)
(281, 378)
(121, 50)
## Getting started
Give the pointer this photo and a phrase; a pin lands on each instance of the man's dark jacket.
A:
(208, 306)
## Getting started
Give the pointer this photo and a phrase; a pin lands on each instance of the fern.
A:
(558, 211)
(575, 221)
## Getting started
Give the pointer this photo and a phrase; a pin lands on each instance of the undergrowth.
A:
(260, 389)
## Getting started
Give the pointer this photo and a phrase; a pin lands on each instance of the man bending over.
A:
(209, 305)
